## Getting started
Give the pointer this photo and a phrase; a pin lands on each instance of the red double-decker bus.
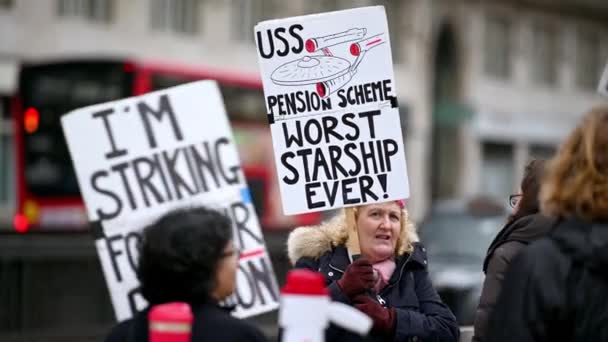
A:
(47, 191)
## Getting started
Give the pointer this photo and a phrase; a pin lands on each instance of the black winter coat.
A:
(421, 315)
(557, 288)
(507, 244)
(211, 323)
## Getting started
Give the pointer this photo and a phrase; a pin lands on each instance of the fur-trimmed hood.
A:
(314, 241)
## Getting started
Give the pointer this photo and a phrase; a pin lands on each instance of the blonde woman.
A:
(557, 289)
(389, 282)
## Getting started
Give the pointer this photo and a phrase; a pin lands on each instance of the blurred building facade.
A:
(484, 85)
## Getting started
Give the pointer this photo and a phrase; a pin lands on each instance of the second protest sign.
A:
(140, 157)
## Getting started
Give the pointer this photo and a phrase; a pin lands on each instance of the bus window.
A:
(244, 104)
(49, 92)
(160, 81)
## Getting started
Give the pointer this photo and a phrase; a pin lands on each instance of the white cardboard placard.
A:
(138, 158)
(330, 96)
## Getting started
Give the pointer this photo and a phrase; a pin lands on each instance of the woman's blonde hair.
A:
(576, 179)
(407, 230)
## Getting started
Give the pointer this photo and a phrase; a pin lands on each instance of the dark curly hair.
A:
(179, 255)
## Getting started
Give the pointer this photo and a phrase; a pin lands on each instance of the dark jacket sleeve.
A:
(434, 322)
(533, 297)
(335, 292)
(131, 330)
(252, 334)
(119, 333)
(307, 263)
(492, 285)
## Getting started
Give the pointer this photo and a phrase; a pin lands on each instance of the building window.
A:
(94, 10)
(544, 152)
(497, 46)
(247, 13)
(7, 181)
(6, 168)
(588, 60)
(5, 109)
(544, 55)
(497, 172)
(395, 14)
(6, 4)
(320, 6)
(175, 15)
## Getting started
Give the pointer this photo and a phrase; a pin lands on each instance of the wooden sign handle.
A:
(352, 244)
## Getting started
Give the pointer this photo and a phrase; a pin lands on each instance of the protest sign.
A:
(602, 87)
(138, 158)
(330, 96)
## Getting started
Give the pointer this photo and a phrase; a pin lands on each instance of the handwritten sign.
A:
(140, 157)
(330, 96)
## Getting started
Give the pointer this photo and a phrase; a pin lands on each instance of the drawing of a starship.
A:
(310, 70)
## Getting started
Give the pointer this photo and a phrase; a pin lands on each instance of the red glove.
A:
(358, 277)
(384, 318)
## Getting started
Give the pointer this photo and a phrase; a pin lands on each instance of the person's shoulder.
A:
(530, 228)
(321, 262)
(120, 332)
(542, 246)
(226, 327)
(508, 250)
(320, 258)
(314, 241)
(306, 262)
(541, 257)
(417, 256)
(245, 331)
(249, 332)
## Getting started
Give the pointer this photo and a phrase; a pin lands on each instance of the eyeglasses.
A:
(514, 199)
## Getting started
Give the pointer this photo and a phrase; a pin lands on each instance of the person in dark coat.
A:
(557, 288)
(389, 282)
(525, 225)
(188, 256)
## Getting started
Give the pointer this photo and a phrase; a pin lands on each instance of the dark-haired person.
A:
(188, 256)
(525, 225)
(559, 289)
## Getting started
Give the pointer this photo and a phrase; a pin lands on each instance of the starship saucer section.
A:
(310, 70)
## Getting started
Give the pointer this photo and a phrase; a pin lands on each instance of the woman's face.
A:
(225, 275)
(379, 226)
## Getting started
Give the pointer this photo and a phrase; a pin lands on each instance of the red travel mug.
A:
(171, 322)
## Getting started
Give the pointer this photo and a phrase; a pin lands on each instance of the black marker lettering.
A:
(115, 152)
(164, 107)
(94, 183)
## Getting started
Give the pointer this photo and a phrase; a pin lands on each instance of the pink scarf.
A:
(385, 270)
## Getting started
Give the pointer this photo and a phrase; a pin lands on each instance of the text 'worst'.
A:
(338, 158)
